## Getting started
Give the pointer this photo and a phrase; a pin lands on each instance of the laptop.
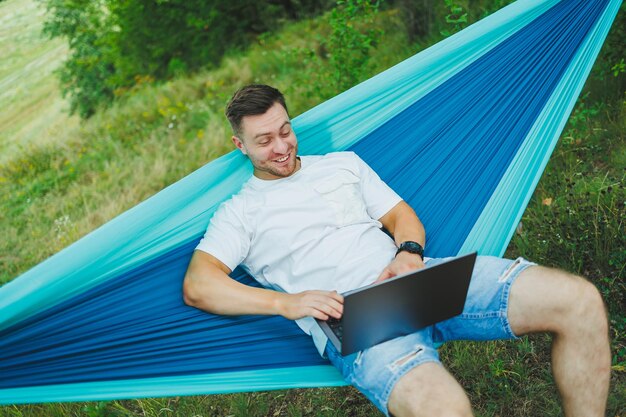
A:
(401, 305)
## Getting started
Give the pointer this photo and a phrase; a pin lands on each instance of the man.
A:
(309, 228)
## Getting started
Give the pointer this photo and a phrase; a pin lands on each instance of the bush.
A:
(353, 35)
(113, 43)
(86, 75)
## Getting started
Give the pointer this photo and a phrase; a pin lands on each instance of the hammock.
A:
(462, 131)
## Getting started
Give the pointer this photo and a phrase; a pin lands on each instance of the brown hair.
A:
(251, 100)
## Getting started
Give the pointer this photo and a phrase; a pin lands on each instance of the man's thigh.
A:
(552, 300)
(375, 371)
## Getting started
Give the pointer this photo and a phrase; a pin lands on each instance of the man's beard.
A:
(280, 172)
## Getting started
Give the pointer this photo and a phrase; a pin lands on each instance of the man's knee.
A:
(554, 300)
(428, 390)
(588, 308)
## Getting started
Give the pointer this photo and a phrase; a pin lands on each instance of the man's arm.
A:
(404, 225)
(208, 287)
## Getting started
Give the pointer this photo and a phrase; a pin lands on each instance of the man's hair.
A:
(252, 100)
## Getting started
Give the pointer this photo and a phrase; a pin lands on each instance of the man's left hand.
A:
(403, 262)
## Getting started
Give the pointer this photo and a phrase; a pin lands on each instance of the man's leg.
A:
(396, 374)
(548, 300)
(428, 390)
(403, 376)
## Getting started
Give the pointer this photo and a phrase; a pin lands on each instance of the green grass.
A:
(62, 182)
(323, 402)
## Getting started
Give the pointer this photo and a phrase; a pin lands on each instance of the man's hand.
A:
(403, 262)
(316, 303)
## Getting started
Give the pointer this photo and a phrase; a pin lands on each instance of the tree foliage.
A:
(86, 72)
(115, 44)
(353, 35)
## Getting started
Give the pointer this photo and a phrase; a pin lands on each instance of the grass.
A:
(61, 183)
(326, 402)
(33, 111)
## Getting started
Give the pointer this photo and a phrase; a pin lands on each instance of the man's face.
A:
(270, 143)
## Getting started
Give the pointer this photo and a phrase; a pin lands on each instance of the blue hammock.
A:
(477, 116)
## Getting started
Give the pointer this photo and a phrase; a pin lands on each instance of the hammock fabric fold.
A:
(462, 131)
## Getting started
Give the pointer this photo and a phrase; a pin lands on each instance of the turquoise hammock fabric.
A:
(462, 131)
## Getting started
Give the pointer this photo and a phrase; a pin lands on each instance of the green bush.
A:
(117, 44)
(353, 35)
(86, 75)
(340, 59)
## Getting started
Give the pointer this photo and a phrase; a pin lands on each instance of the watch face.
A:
(412, 247)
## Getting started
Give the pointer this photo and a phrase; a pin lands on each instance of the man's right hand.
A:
(315, 303)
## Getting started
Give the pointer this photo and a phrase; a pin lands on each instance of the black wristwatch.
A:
(411, 247)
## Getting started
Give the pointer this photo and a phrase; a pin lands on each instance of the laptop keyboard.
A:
(336, 326)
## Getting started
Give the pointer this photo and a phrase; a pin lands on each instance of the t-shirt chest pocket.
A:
(342, 193)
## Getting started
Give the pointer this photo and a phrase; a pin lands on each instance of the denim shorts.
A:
(375, 371)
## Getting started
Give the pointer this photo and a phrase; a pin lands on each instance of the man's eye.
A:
(264, 142)
(285, 133)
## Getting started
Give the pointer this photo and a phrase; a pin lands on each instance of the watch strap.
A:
(411, 247)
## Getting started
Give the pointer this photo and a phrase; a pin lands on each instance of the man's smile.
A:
(283, 159)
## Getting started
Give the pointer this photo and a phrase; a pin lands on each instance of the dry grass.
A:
(33, 109)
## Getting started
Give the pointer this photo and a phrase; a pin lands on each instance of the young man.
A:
(309, 228)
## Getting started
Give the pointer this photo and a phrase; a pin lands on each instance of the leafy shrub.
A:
(86, 74)
(113, 43)
(353, 35)
(456, 17)
(341, 58)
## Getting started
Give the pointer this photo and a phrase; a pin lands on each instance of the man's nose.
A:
(280, 146)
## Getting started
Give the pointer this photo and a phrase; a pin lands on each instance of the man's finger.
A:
(384, 275)
(330, 297)
(337, 296)
(322, 316)
(337, 306)
(381, 276)
(336, 309)
(334, 294)
(328, 309)
(318, 314)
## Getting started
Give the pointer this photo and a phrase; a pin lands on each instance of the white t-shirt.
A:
(317, 229)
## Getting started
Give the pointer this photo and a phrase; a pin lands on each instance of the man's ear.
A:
(238, 144)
